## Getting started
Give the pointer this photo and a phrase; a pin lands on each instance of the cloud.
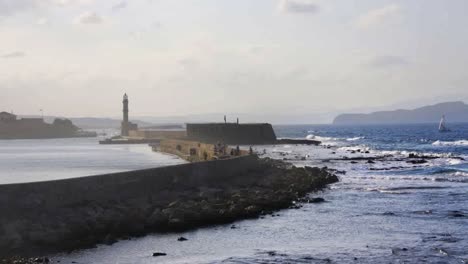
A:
(10, 7)
(387, 61)
(188, 63)
(11, 55)
(377, 16)
(298, 6)
(119, 6)
(88, 18)
(71, 2)
(42, 21)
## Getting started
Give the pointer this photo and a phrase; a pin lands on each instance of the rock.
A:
(418, 161)
(398, 250)
(233, 227)
(252, 209)
(456, 214)
(156, 218)
(159, 254)
(317, 200)
(109, 239)
(182, 239)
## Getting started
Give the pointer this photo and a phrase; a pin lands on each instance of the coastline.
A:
(184, 203)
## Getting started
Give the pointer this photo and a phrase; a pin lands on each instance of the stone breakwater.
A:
(160, 200)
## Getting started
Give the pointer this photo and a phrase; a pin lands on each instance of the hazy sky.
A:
(78, 57)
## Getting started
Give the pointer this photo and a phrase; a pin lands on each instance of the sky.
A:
(181, 57)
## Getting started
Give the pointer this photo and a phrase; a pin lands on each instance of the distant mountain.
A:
(92, 122)
(453, 111)
(96, 122)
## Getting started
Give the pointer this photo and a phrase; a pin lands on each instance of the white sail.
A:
(442, 126)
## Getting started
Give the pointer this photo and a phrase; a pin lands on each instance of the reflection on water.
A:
(40, 160)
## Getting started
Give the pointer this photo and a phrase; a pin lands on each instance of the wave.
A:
(451, 143)
(319, 138)
(354, 138)
(452, 171)
(315, 137)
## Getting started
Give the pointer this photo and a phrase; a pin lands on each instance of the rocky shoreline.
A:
(274, 185)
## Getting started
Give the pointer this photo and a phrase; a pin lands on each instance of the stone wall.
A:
(232, 133)
(18, 198)
(157, 134)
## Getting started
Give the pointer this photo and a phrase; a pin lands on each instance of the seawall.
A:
(46, 217)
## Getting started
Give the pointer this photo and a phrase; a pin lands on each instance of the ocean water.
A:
(50, 159)
(383, 211)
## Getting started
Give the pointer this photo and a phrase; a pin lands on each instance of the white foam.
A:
(454, 161)
(319, 138)
(354, 138)
(461, 173)
(451, 143)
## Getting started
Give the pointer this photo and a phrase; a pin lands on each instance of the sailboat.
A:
(442, 127)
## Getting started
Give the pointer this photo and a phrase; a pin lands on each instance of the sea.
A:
(386, 208)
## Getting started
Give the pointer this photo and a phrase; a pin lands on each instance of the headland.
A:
(35, 128)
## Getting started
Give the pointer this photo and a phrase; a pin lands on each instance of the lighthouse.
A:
(125, 123)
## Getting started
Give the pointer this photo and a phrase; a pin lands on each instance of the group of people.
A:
(221, 149)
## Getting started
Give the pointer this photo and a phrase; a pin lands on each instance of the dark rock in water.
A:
(398, 250)
(418, 161)
(233, 227)
(456, 214)
(159, 254)
(367, 152)
(370, 161)
(317, 200)
(423, 212)
(354, 162)
(182, 239)
(442, 251)
(388, 213)
(416, 156)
